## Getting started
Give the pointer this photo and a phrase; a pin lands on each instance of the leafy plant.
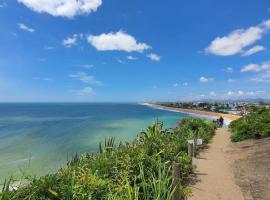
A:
(253, 126)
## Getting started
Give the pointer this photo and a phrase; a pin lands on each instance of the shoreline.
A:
(228, 118)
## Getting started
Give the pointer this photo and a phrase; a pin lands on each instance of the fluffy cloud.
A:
(119, 41)
(206, 79)
(49, 48)
(262, 72)
(230, 80)
(85, 78)
(72, 40)
(86, 91)
(229, 70)
(131, 58)
(256, 67)
(88, 66)
(230, 93)
(179, 84)
(236, 41)
(43, 79)
(185, 84)
(254, 50)
(212, 94)
(260, 80)
(241, 93)
(64, 8)
(26, 28)
(154, 57)
(251, 68)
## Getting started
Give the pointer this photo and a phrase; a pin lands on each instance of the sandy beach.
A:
(209, 114)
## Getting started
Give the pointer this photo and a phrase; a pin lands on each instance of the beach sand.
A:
(199, 113)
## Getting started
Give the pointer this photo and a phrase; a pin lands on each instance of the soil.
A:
(251, 168)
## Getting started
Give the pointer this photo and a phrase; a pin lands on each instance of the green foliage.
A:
(137, 170)
(253, 126)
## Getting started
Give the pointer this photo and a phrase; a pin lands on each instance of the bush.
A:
(252, 126)
(137, 170)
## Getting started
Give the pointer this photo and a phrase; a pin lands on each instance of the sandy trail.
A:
(215, 176)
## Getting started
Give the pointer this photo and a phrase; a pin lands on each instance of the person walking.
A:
(221, 122)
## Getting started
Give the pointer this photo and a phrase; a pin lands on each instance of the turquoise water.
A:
(38, 138)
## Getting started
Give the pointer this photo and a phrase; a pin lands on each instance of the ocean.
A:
(39, 138)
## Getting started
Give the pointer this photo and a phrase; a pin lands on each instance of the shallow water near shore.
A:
(39, 138)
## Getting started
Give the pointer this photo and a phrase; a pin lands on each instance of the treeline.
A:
(253, 126)
(130, 171)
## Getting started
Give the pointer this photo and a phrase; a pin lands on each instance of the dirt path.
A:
(214, 174)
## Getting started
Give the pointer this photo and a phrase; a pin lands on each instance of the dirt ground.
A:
(251, 167)
(232, 171)
(214, 175)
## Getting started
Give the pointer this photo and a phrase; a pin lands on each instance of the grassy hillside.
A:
(130, 171)
(253, 126)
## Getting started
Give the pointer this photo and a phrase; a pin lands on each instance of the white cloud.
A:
(230, 80)
(26, 28)
(119, 60)
(206, 79)
(256, 67)
(154, 57)
(119, 41)
(131, 58)
(230, 93)
(88, 66)
(229, 70)
(72, 40)
(260, 80)
(64, 8)
(236, 41)
(49, 48)
(253, 50)
(251, 68)
(185, 84)
(43, 79)
(86, 91)
(241, 93)
(180, 84)
(262, 72)
(85, 78)
(213, 94)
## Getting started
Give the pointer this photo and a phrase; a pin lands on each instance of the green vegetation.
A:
(253, 126)
(130, 171)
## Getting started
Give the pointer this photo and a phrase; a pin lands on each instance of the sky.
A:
(136, 50)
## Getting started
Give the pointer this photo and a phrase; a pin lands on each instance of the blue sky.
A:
(101, 50)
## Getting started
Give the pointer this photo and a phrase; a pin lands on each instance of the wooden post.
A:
(176, 181)
(190, 151)
(195, 144)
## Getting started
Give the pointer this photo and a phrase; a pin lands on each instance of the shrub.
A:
(253, 126)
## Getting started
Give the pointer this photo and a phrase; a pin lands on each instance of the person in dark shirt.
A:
(221, 122)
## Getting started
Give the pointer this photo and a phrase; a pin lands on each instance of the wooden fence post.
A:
(176, 181)
(190, 151)
(195, 144)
